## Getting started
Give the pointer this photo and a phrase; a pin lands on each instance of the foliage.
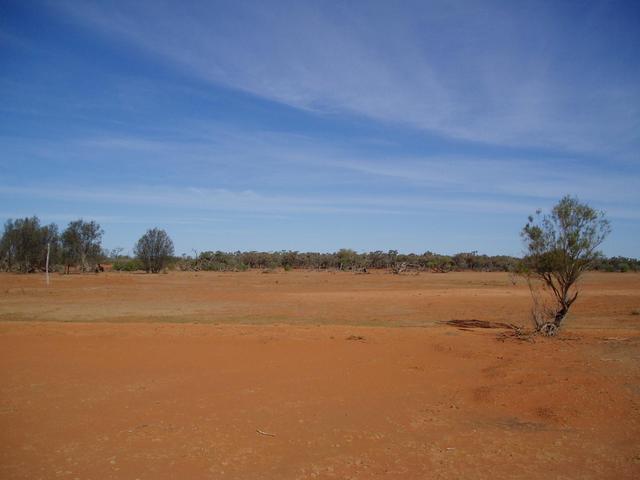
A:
(345, 259)
(154, 249)
(82, 244)
(127, 264)
(560, 247)
(617, 264)
(23, 246)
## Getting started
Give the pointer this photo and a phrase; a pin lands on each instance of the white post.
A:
(47, 266)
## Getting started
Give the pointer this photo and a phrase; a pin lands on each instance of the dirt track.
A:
(135, 388)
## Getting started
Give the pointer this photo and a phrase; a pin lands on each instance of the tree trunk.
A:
(549, 329)
(560, 314)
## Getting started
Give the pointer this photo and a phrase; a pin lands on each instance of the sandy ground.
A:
(346, 376)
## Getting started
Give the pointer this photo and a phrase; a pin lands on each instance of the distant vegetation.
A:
(348, 260)
(617, 264)
(25, 245)
(391, 260)
(23, 248)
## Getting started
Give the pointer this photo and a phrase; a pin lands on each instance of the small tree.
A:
(346, 258)
(154, 249)
(560, 247)
(82, 244)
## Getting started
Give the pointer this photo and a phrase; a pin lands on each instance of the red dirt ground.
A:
(172, 376)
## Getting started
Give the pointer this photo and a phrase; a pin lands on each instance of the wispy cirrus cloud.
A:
(492, 73)
(247, 202)
(226, 157)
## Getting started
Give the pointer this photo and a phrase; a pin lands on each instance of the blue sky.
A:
(320, 125)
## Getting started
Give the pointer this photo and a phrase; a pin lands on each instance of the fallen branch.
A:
(356, 338)
(265, 433)
(467, 324)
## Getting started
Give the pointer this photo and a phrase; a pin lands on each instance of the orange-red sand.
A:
(129, 376)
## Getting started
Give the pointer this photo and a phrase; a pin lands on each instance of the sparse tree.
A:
(115, 253)
(154, 249)
(346, 258)
(560, 247)
(82, 244)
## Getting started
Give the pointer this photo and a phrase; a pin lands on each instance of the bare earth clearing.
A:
(346, 376)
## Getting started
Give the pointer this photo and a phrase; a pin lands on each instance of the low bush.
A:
(127, 265)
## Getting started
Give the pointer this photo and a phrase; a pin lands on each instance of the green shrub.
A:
(127, 265)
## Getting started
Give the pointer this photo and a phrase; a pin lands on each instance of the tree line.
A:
(345, 259)
(27, 246)
(23, 248)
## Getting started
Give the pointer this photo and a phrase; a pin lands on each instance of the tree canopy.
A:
(23, 245)
(82, 244)
(154, 249)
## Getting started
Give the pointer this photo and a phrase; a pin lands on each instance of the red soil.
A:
(321, 362)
